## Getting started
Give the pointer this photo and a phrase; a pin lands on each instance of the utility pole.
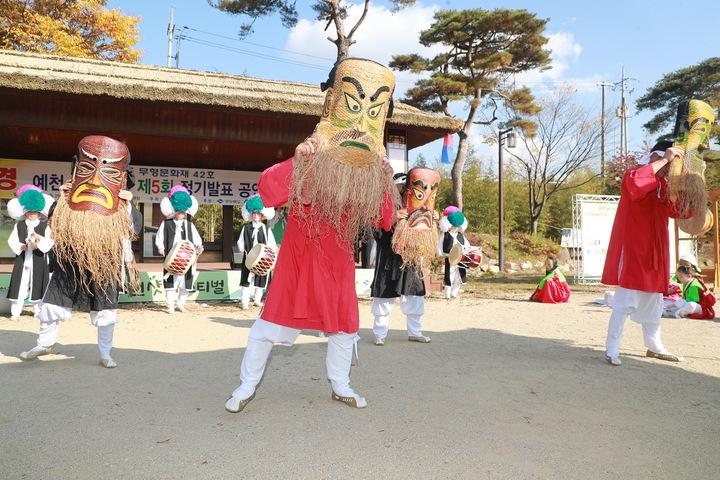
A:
(622, 113)
(502, 135)
(171, 34)
(602, 130)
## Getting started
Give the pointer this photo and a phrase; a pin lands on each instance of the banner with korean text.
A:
(210, 187)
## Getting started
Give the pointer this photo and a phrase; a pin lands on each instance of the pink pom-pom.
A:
(178, 188)
(450, 209)
(25, 188)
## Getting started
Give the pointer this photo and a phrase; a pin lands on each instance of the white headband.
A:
(645, 159)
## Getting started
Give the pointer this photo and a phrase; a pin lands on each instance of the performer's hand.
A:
(161, 251)
(386, 167)
(23, 248)
(200, 249)
(672, 153)
(65, 187)
(436, 215)
(305, 151)
(126, 195)
(402, 213)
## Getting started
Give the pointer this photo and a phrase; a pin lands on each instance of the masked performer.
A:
(252, 234)
(553, 288)
(400, 274)
(638, 256)
(31, 242)
(175, 229)
(453, 224)
(91, 224)
(339, 185)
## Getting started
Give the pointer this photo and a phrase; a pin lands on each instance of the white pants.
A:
(264, 334)
(170, 298)
(246, 295)
(642, 307)
(453, 290)
(413, 306)
(16, 305)
(51, 315)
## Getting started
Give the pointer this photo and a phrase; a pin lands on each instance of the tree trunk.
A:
(458, 167)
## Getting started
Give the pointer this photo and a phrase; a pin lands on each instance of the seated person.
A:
(553, 288)
(674, 292)
(692, 290)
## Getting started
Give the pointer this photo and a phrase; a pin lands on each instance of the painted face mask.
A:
(99, 175)
(419, 198)
(356, 107)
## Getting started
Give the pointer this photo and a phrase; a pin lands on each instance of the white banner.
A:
(210, 187)
(597, 222)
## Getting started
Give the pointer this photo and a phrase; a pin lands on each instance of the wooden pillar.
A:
(227, 228)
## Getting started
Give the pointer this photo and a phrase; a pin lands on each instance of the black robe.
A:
(247, 231)
(390, 281)
(169, 241)
(447, 243)
(40, 266)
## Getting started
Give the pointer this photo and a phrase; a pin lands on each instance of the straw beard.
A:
(692, 193)
(343, 197)
(94, 244)
(416, 247)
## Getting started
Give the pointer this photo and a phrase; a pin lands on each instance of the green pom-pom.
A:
(456, 219)
(32, 201)
(254, 204)
(181, 201)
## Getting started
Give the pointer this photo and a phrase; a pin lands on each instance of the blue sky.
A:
(591, 40)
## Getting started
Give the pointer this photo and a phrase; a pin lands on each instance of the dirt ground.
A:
(508, 389)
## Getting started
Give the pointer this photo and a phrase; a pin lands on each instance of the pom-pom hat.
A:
(255, 204)
(178, 200)
(453, 217)
(29, 198)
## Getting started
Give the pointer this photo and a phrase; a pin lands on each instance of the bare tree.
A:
(567, 138)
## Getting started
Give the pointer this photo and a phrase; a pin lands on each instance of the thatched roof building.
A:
(167, 116)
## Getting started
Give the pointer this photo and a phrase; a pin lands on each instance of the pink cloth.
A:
(640, 234)
(313, 284)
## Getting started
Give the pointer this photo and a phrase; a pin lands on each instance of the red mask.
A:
(421, 189)
(99, 175)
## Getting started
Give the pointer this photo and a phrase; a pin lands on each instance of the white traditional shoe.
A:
(236, 405)
(244, 306)
(419, 338)
(170, 311)
(108, 363)
(380, 341)
(34, 353)
(182, 309)
(14, 318)
(355, 401)
(260, 304)
(613, 360)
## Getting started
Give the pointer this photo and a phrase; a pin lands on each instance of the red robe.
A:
(553, 288)
(640, 234)
(313, 285)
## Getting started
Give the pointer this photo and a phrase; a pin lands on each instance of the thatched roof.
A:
(41, 72)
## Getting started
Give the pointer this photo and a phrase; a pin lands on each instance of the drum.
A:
(181, 257)
(470, 260)
(456, 254)
(260, 260)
